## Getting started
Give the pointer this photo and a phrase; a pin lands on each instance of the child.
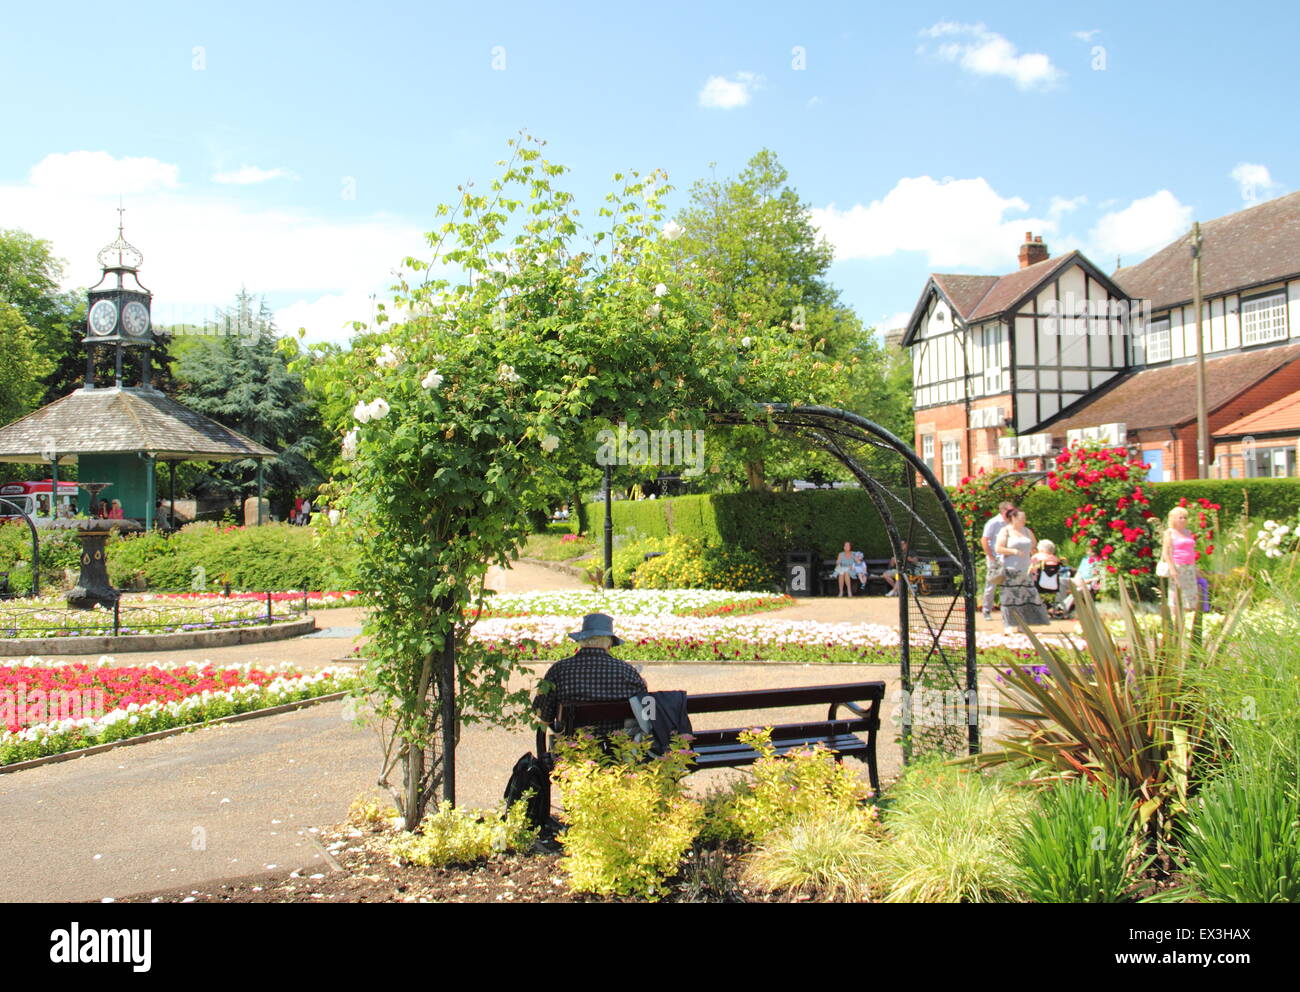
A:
(860, 568)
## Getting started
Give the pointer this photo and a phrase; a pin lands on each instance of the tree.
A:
(23, 368)
(462, 406)
(764, 268)
(238, 374)
(33, 316)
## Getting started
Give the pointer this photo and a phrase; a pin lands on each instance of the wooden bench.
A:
(724, 749)
(876, 569)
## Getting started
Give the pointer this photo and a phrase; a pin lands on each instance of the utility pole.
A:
(1202, 420)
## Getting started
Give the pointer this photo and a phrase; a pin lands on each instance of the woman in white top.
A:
(1021, 603)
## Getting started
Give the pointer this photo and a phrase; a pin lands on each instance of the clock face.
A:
(135, 318)
(103, 317)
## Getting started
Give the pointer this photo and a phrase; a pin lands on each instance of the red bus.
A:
(34, 498)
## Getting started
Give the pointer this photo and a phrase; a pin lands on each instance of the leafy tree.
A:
(238, 374)
(23, 368)
(764, 269)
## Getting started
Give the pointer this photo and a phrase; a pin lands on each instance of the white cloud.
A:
(92, 173)
(1254, 181)
(1143, 226)
(250, 174)
(726, 94)
(960, 223)
(987, 53)
(1064, 205)
(199, 249)
(1087, 35)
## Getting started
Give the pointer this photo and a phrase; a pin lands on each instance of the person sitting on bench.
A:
(892, 575)
(592, 675)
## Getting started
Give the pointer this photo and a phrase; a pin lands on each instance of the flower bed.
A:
(50, 616)
(634, 602)
(686, 638)
(316, 600)
(51, 707)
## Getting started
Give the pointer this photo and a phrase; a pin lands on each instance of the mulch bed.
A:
(370, 875)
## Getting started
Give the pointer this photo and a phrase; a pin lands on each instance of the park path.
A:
(241, 799)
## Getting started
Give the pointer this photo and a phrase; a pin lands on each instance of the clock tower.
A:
(119, 315)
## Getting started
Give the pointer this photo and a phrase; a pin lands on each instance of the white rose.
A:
(335, 517)
(746, 342)
(654, 310)
(506, 373)
(673, 230)
(661, 290)
(350, 444)
(550, 443)
(379, 409)
(387, 357)
(432, 381)
(361, 411)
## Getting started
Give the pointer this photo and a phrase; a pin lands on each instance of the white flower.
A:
(388, 358)
(350, 444)
(673, 230)
(661, 290)
(379, 409)
(550, 443)
(432, 381)
(746, 341)
(335, 517)
(506, 373)
(362, 412)
(654, 310)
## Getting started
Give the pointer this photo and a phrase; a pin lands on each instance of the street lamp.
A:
(1202, 421)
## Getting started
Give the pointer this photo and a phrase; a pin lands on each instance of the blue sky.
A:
(300, 150)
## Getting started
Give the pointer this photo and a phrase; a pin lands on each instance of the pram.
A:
(1053, 581)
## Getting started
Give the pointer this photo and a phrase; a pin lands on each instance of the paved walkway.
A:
(240, 799)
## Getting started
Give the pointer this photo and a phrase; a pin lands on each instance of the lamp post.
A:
(609, 534)
(1202, 420)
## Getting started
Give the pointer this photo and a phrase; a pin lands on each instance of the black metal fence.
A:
(125, 619)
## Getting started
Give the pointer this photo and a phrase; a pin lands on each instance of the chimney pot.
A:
(1032, 251)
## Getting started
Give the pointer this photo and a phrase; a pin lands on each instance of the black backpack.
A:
(531, 773)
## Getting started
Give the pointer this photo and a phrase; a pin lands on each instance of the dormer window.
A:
(1157, 341)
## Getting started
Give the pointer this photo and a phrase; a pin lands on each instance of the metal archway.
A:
(36, 545)
(936, 625)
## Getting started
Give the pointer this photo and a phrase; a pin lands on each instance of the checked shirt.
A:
(593, 675)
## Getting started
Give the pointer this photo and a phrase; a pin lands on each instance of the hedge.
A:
(1264, 498)
(205, 555)
(821, 520)
(771, 524)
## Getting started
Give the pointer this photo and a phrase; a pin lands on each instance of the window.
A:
(927, 449)
(951, 463)
(991, 352)
(1157, 340)
(1263, 319)
(1271, 463)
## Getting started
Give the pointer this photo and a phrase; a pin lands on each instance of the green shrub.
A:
(800, 786)
(950, 837)
(204, 556)
(629, 821)
(687, 563)
(826, 857)
(1240, 842)
(455, 835)
(59, 550)
(1081, 845)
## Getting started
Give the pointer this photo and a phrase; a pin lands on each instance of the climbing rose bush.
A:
(1113, 521)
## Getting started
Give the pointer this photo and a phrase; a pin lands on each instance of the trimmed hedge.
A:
(770, 524)
(1262, 498)
(821, 520)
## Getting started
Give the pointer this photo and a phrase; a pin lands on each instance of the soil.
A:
(368, 874)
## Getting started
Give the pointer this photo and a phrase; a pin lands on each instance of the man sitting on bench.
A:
(592, 675)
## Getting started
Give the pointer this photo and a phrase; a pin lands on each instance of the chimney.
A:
(1032, 251)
